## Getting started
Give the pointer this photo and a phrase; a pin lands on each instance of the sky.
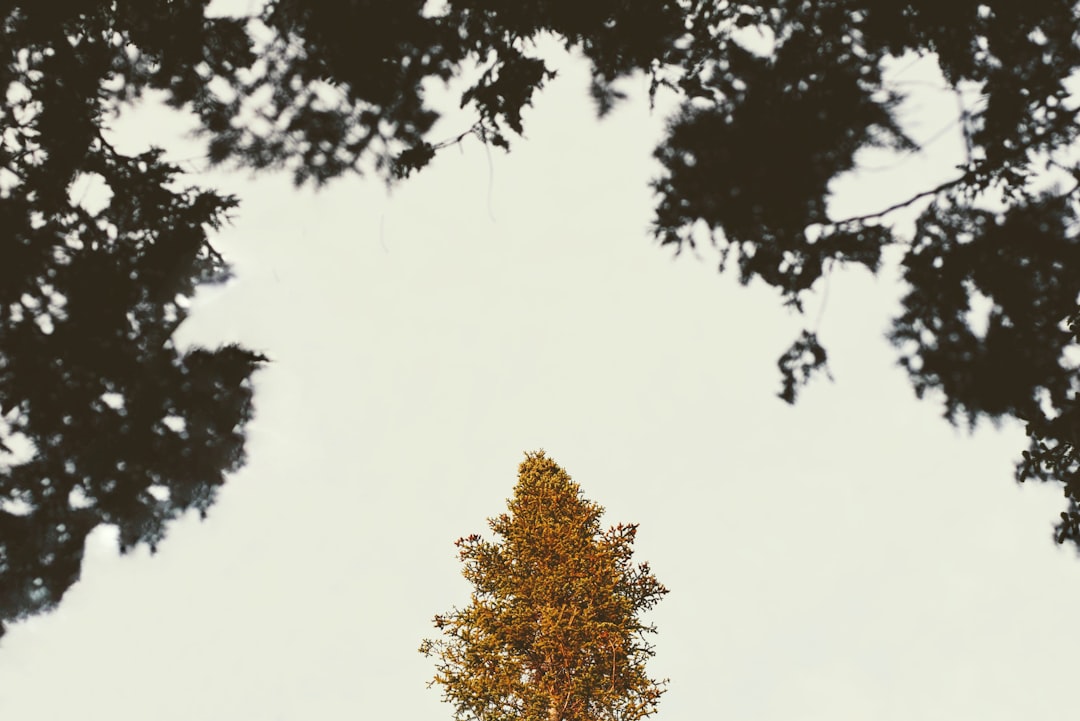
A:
(852, 557)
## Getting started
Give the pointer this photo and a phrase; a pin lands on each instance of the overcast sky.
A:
(853, 557)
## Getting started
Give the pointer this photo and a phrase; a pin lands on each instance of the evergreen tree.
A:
(552, 632)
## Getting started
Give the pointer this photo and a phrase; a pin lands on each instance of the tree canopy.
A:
(89, 296)
(552, 632)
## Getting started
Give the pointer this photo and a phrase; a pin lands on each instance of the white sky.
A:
(853, 557)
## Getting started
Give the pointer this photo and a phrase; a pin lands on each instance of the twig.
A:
(898, 206)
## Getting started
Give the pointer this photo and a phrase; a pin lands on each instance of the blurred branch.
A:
(902, 204)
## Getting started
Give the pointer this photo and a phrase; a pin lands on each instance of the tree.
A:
(122, 427)
(105, 420)
(326, 88)
(552, 631)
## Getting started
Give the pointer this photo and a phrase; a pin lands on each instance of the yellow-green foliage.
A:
(552, 630)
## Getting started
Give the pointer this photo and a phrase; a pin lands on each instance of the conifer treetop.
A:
(551, 632)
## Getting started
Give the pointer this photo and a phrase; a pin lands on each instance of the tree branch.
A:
(898, 206)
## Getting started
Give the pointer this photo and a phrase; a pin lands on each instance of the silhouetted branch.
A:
(901, 205)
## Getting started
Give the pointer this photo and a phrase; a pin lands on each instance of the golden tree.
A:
(552, 630)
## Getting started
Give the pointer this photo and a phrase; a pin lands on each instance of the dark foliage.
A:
(750, 156)
(126, 429)
(122, 427)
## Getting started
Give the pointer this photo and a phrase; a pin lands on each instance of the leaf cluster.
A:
(102, 419)
(992, 268)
